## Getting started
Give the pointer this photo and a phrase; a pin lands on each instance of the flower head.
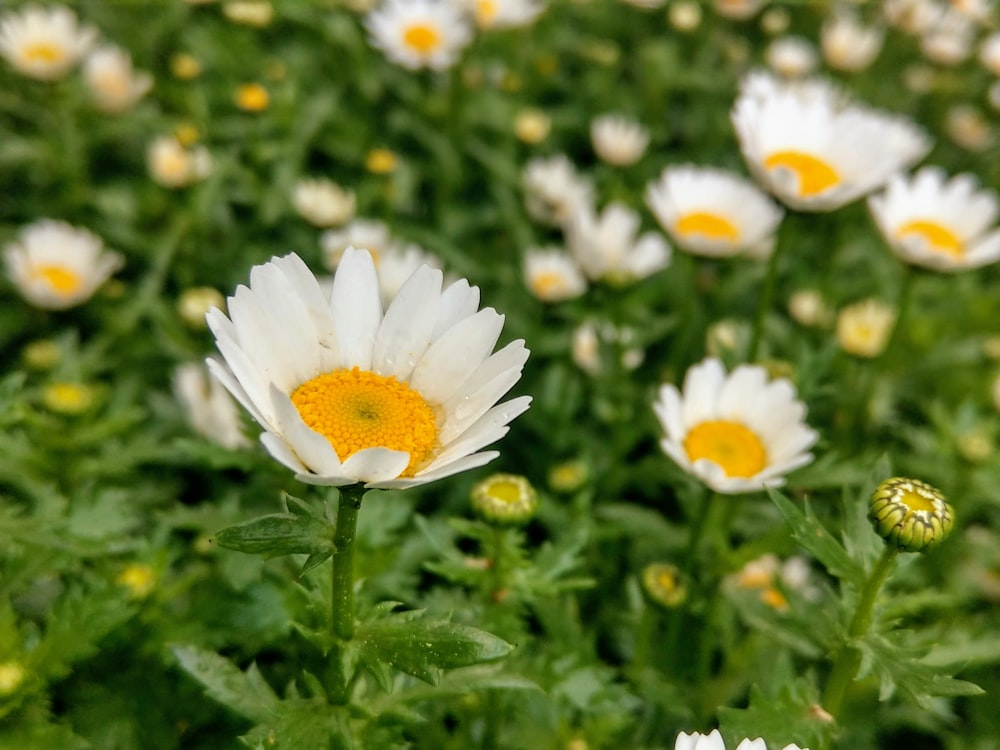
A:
(174, 166)
(208, 407)
(112, 81)
(663, 585)
(618, 140)
(555, 190)
(712, 212)
(552, 275)
(816, 152)
(608, 248)
(849, 45)
(370, 234)
(348, 393)
(714, 741)
(736, 432)
(323, 203)
(44, 43)
(57, 266)
(419, 33)
(910, 514)
(932, 221)
(863, 329)
(504, 14)
(505, 499)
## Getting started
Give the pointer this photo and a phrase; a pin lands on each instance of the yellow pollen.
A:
(915, 501)
(735, 448)
(936, 237)
(44, 52)
(357, 409)
(815, 175)
(422, 38)
(711, 226)
(61, 280)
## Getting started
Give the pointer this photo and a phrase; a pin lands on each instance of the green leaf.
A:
(246, 693)
(298, 724)
(423, 647)
(810, 533)
(785, 718)
(296, 532)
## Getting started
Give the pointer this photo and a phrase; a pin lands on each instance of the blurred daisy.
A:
(684, 15)
(739, 10)
(348, 393)
(56, 266)
(989, 53)
(419, 33)
(949, 40)
(399, 262)
(555, 190)
(208, 407)
(863, 329)
(258, 13)
(714, 741)
(504, 14)
(968, 128)
(912, 16)
(112, 81)
(736, 433)
(607, 247)
(552, 275)
(532, 126)
(791, 56)
(323, 203)
(818, 154)
(712, 212)
(618, 140)
(173, 165)
(931, 221)
(44, 43)
(848, 45)
(369, 234)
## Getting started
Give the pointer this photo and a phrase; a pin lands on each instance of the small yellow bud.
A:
(569, 476)
(910, 514)
(70, 399)
(12, 674)
(41, 355)
(185, 66)
(194, 303)
(863, 329)
(505, 499)
(252, 97)
(381, 161)
(138, 578)
(662, 584)
(532, 126)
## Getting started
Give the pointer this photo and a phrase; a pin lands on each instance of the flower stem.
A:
(764, 301)
(845, 667)
(343, 561)
(902, 308)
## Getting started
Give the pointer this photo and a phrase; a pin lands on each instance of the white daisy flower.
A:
(736, 433)
(738, 10)
(419, 33)
(712, 212)
(369, 234)
(208, 407)
(931, 221)
(555, 190)
(714, 741)
(864, 328)
(818, 154)
(849, 45)
(173, 165)
(348, 393)
(912, 16)
(323, 203)
(504, 14)
(989, 53)
(950, 40)
(618, 140)
(791, 56)
(552, 275)
(44, 43)
(56, 266)
(607, 246)
(112, 81)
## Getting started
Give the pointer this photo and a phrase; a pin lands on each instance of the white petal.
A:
(452, 357)
(408, 326)
(376, 464)
(356, 308)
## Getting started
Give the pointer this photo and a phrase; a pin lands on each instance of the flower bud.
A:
(910, 514)
(69, 399)
(662, 584)
(505, 499)
(194, 304)
(12, 674)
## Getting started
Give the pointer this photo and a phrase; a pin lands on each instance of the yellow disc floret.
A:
(709, 225)
(357, 409)
(731, 445)
(936, 237)
(61, 280)
(422, 38)
(815, 175)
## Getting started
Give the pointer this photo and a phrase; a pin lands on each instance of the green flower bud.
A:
(505, 499)
(910, 514)
(662, 584)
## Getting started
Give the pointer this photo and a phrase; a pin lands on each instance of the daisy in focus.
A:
(419, 33)
(714, 741)
(712, 212)
(57, 266)
(609, 248)
(818, 152)
(939, 223)
(736, 432)
(44, 43)
(348, 393)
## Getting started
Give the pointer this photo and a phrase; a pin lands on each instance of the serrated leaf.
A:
(976, 652)
(299, 724)
(810, 533)
(423, 647)
(786, 718)
(280, 534)
(245, 693)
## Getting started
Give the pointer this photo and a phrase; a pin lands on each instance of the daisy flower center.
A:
(357, 409)
(61, 280)
(422, 37)
(548, 282)
(917, 502)
(44, 52)
(731, 445)
(709, 225)
(486, 11)
(815, 175)
(936, 237)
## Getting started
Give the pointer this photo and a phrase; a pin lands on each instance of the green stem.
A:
(764, 301)
(902, 308)
(343, 561)
(497, 572)
(845, 666)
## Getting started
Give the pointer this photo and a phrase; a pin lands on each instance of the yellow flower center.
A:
(916, 501)
(547, 283)
(709, 225)
(486, 11)
(815, 175)
(357, 409)
(62, 281)
(774, 599)
(506, 490)
(936, 237)
(252, 97)
(44, 52)
(423, 38)
(731, 445)
(380, 161)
